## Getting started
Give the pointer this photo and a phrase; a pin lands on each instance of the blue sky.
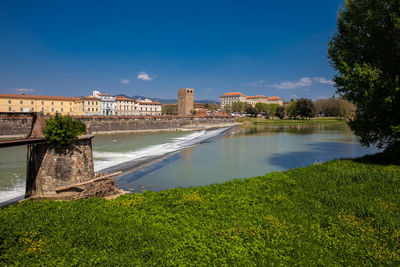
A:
(152, 48)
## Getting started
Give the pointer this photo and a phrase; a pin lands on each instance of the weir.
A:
(61, 172)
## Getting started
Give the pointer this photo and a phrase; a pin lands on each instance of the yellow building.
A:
(48, 105)
(90, 105)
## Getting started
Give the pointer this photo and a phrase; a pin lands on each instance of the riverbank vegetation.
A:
(343, 212)
(291, 121)
(299, 108)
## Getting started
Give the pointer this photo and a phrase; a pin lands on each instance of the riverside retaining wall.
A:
(19, 124)
(15, 124)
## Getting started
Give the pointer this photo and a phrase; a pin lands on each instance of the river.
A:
(162, 160)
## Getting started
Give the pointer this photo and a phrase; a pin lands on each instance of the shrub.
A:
(62, 130)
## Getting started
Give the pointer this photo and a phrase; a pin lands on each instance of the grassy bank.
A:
(296, 121)
(339, 212)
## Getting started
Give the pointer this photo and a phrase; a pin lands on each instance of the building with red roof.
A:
(230, 98)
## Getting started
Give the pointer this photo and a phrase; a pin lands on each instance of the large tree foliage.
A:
(304, 108)
(261, 107)
(62, 130)
(365, 51)
(169, 109)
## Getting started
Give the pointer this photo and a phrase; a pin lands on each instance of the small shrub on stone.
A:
(62, 130)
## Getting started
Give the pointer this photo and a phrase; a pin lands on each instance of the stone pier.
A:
(50, 167)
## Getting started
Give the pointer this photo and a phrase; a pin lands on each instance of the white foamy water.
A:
(17, 191)
(105, 160)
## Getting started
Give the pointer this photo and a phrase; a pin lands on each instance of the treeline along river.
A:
(161, 160)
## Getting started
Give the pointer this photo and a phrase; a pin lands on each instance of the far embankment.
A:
(19, 124)
(291, 121)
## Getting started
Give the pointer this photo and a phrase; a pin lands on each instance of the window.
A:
(70, 109)
(42, 109)
(42, 102)
(62, 109)
(9, 108)
(52, 103)
(88, 102)
(97, 109)
(52, 109)
(31, 102)
(88, 109)
(9, 101)
(96, 102)
(70, 103)
(92, 109)
(21, 109)
(92, 102)
(62, 103)
(21, 102)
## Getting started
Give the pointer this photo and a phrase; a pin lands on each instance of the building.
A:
(91, 105)
(230, 98)
(48, 105)
(185, 101)
(107, 103)
(148, 108)
(126, 107)
(253, 100)
(275, 100)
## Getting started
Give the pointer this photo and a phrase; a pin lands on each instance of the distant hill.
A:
(168, 101)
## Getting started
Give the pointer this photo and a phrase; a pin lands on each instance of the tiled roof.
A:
(90, 98)
(274, 98)
(123, 98)
(44, 97)
(148, 103)
(233, 94)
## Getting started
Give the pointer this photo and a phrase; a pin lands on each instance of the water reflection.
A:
(247, 151)
(291, 128)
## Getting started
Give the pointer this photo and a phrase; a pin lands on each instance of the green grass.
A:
(296, 121)
(343, 212)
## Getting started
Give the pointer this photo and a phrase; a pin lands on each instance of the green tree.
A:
(305, 108)
(280, 112)
(62, 130)
(169, 109)
(212, 106)
(252, 111)
(261, 107)
(272, 108)
(365, 51)
(228, 108)
(291, 109)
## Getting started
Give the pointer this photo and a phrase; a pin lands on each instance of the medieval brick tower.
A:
(185, 101)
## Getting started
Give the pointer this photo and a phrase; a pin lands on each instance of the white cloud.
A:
(144, 76)
(258, 83)
(323, 80)
(303, 82)
(125, 81)
(24, 90)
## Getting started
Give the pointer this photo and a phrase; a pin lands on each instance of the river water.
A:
(162, 160)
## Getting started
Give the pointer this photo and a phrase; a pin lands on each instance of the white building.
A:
(149, 108)
(126, 107)
(107, 103)
(230, 98)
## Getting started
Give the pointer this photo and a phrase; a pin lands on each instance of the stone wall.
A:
(19, 124)
(15, 124)
(50, 167)
(134, 123)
